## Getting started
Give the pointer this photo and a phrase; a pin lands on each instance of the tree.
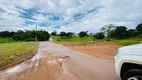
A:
(107, 28)
(91, 34)
(99, 35)
(5, 34)
(30, 35)
(20, 31)
(112, 34)
(120, 32)
(54, 33)
(83, 34)
(63, 34)
(139, 28)
(69, 34)
(42, 35)
(18, 37)
(12, 33)
(131, 33)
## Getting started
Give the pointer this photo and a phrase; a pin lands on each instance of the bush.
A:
(82, 34)
(30, 39)
(5, 40)
(99, 36)
(139, 28)
(25, 35)
(127, 42)
(140, 36)
(107, 38)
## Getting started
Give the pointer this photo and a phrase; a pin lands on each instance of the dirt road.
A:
(102, 49)
(55, 62)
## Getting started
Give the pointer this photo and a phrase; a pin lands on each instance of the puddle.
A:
(38, 64)
(19, 68)
(34, 61)
(37, 57)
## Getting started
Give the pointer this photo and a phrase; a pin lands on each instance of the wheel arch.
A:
(128, 66)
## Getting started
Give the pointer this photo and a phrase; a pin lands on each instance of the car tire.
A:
(134, 74)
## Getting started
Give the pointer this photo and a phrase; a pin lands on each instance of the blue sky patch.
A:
(44, 24)
(27, 22)
(78, 16)
(57, 27)
(29, 13)
(55, 18)
(95, 9)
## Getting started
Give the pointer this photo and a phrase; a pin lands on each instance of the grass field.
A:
(89, 40)
(13, 53)
(127, 42)
(73, 39)
(76, 40)
(6, 40)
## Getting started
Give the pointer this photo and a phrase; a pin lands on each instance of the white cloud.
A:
(26, 4)
(127, 13)
(117, 12)
(40, 17)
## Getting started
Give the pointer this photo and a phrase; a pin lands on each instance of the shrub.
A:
(5, 40)
(82, 34)
(140, 36)
(99, 36)
(30, 39)
(127, 42)
(139, 28)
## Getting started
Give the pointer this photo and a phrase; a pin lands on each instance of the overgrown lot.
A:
(16, 52)
(91, 41)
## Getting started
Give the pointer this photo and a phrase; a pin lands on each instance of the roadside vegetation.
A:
(130, 41)
(16, 47)
(40, 35)
(16, 52)
(103, 44)
(118, 34)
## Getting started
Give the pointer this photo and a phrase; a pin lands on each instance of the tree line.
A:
(108, 32)
(121, 32)
(20, 35)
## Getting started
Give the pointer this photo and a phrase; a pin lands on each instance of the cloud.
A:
(68, 15)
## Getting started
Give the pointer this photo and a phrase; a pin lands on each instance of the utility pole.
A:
(36, 33)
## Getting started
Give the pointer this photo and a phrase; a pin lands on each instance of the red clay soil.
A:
(105, 50)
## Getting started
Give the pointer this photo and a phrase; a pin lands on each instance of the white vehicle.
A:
(128, 62)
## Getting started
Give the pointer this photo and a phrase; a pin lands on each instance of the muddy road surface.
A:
(56, 62)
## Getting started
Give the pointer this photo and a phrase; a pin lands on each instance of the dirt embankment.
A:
(103, 49)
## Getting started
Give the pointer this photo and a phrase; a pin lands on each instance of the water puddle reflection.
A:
(34, 61)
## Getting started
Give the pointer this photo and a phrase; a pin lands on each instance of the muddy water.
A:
(55, 62)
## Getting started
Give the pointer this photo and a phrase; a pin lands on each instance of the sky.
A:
(68, 15)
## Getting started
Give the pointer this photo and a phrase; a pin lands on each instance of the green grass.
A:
(89, 40)
(73, 39)
(5, 40)
(81, 41)
(127, 42)
(13, 53)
